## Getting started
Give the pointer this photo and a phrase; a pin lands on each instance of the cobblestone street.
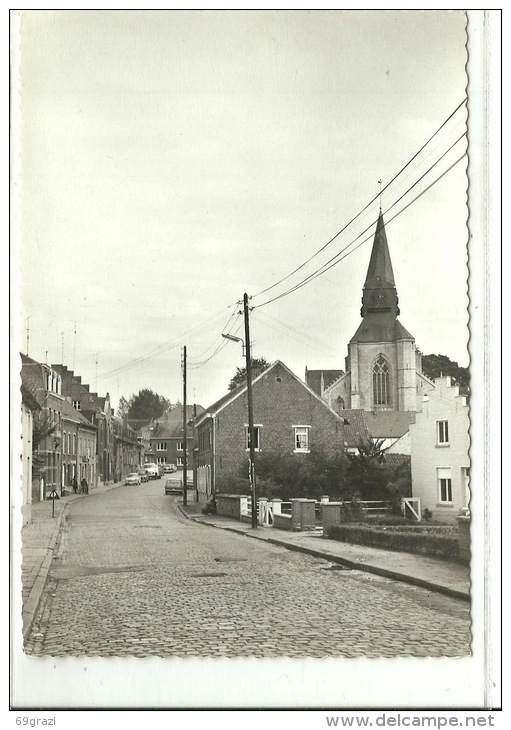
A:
(133, 577)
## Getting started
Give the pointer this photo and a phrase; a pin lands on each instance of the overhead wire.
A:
(338, 256)
(321, 270)
(168, 346)
(320, 250)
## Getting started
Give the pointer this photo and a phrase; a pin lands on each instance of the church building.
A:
(384, 367)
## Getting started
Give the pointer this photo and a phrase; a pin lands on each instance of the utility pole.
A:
(185, 460)
(250, 412)
(195, 465)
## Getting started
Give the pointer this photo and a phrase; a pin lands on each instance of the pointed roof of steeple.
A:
(379, 273)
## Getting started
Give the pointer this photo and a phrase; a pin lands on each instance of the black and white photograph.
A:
(248, 254)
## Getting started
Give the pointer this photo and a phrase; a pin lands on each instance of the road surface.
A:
(133, 577)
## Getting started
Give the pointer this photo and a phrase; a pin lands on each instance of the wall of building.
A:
(280, 403)
(26, 469)
(427, 455)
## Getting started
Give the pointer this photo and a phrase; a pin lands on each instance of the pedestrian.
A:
(84, 486)
(75, 485)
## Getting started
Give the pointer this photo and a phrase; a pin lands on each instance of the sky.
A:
(173, 160)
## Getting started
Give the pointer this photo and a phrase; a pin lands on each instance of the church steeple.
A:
(379, 294)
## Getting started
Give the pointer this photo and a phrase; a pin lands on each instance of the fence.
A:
(302, 514)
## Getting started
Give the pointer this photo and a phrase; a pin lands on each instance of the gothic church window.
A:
(381, 382)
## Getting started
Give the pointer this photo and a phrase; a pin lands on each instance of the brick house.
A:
(167, 437)
(127, 449)
(288, 417)
(45, 385)
(440, 451)
(78, 448)
(98, 411)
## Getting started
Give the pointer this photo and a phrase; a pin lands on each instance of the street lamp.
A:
(235, 339)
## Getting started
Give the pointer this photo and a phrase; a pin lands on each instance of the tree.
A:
(147, 404)
(43, 426)
(433, 366)
(258, 364)
(123, 407)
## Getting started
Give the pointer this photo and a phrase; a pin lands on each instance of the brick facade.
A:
(282, 402)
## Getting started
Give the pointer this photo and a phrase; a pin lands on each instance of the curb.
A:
(365, 567)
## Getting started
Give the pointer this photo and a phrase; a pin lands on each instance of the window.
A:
(381, 382)
(161, 460)
(301, 438)
(74, 444)
(179, 445)
(257, 441)
(179, 461)
(442, 433)
(77, 405)
(161, 446)
(69, 443)
(444, 484)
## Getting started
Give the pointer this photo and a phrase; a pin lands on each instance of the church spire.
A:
(379, 293)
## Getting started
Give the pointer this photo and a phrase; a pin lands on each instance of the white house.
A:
(439, 441)
(28, 406)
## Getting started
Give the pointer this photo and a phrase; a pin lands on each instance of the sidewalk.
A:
(443, 576)
(38, 542)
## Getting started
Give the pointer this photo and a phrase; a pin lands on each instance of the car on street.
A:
(151, 470)
(132, 478)
(167, 468)
(143, 475)
(174, 485)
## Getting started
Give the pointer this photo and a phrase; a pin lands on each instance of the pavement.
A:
(41, 537)
(39, 541)
(443, 576)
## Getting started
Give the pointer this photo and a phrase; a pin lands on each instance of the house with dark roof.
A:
(127, 449)
(78, 448)
(289, 418)
(98, 411)
(45, 385)
(166, 437)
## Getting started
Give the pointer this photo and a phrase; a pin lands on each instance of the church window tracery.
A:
(381, 382)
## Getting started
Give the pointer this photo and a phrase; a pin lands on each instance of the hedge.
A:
(438, 545)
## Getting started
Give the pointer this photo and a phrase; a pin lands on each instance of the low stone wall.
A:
(464, 539)
(283, 522)
(230, 505)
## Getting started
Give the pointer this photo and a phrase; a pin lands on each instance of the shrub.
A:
(425, 543)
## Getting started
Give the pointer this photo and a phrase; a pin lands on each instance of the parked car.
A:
(167, 468)
(174, 485)
(143, 475)
(151, 470)
(132, 478)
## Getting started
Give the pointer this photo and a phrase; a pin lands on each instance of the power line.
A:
(336, 259)
(284, 278)
(168, 346)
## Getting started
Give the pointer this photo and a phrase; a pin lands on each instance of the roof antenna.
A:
(380, 181)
